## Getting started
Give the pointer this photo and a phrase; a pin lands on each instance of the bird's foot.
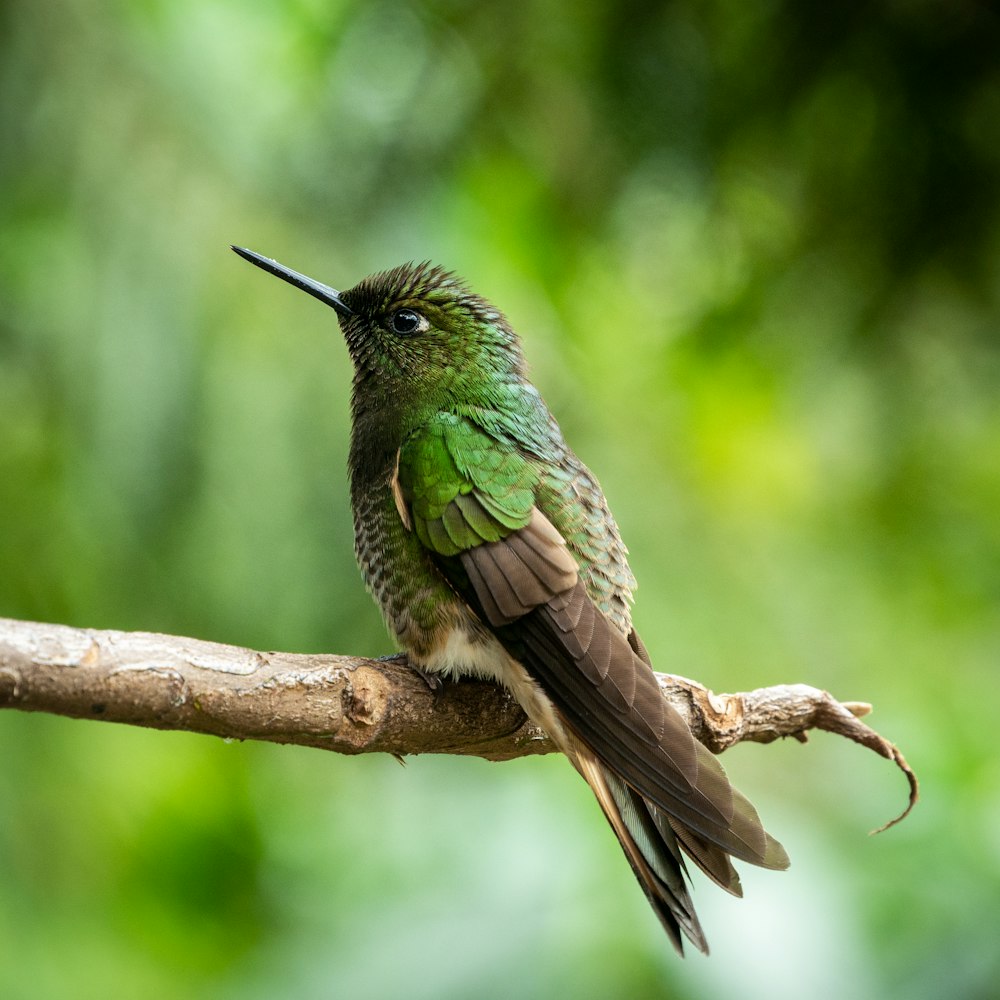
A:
(433, 681)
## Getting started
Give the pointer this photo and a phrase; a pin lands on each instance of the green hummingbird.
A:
(490, 549)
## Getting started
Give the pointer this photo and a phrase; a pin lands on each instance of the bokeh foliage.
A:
(754, 250)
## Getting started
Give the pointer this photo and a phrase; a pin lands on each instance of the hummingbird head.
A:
(416, 333)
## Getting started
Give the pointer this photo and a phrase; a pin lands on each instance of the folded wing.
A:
(471, 502)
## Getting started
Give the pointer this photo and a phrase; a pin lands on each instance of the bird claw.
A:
(434, 681)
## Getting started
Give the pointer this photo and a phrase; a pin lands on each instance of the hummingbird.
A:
(491, 551)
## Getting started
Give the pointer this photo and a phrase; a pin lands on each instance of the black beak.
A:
(322, 292)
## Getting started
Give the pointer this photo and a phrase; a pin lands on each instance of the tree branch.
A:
(350, 704)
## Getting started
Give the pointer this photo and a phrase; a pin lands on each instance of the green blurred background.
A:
(754, 252)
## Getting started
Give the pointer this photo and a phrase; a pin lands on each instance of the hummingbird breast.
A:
(432, 622)
(435, 627)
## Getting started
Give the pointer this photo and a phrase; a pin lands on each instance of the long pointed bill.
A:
(322, 292)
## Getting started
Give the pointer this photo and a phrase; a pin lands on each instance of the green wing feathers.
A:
(460, 487)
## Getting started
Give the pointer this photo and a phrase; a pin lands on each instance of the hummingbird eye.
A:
(407, 322)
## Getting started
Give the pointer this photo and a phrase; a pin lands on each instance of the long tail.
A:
(653, 843)
(651, 848)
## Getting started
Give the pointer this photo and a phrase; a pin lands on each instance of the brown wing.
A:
(527, 587)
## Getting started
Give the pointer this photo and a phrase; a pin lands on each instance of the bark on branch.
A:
(350, 704)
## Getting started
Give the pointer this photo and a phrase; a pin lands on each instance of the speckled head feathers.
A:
(419, 328)
(412, 284)
(420, 340)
